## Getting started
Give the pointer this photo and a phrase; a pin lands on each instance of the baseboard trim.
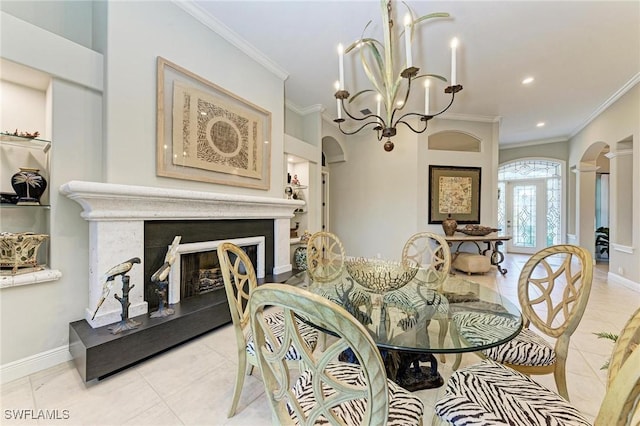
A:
(282, 269)
(615, 278)
(32, 364)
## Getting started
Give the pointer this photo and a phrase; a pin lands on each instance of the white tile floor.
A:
(192, 384)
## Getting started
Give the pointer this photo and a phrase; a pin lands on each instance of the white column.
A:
(282, 249)
(116, 241)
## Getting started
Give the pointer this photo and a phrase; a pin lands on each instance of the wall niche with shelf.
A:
(25, 147)
(297, 188)
(27, 212)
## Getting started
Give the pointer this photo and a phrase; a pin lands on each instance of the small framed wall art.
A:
(456, 191)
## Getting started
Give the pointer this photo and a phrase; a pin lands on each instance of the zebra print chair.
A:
(239, 282)
(431, 251)
(553, 290)
(325, 256)
(327, 391)
(489, 393)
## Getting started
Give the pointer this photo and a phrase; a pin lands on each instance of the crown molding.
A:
(619, 153)
(232, 37)
(612, 99)
(304, 110)
(470, 117)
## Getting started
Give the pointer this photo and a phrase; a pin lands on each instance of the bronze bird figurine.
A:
(110, 276)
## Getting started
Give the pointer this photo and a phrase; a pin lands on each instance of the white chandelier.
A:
(393, 87)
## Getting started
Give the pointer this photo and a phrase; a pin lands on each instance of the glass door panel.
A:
(526, 221)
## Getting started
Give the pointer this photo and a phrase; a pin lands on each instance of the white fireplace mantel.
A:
(116, 215)
(108, 201)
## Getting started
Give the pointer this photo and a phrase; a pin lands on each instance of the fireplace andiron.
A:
(161, 280)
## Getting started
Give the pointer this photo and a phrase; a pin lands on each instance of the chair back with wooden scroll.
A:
(433, 255)
(553, 291)
(240, 281)
(489, 393)
(431, 251)
(327, 390)
(621, 404)
(325, 256)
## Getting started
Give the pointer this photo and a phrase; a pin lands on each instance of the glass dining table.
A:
(419, 320)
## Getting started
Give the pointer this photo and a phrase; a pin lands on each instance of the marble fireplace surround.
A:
(116, 214)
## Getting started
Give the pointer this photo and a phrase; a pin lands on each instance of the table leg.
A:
(404, 369)
(496, 256)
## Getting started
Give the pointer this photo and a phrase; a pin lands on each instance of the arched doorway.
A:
(591, 207)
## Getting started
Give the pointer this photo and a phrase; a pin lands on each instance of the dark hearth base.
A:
(98, 353)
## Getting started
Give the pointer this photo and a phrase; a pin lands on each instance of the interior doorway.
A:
(325, 202)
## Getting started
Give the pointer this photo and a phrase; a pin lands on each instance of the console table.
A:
(493, 242)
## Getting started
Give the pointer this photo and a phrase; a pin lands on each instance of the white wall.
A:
(71, 20)
(617, 123)
(487, 159)
(558, 150)
(111, 140)
(164, 29)
(373, 195)
(379, 199)
(35, 318)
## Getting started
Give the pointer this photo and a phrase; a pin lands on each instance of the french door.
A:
(526, 218)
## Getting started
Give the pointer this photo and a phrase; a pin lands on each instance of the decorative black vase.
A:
(449, 225)
(29, 186)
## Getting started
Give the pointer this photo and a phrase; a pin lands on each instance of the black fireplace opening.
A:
(200, 272)
(159, 234)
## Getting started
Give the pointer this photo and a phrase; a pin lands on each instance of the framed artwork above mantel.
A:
(206, 133)
(454, 190)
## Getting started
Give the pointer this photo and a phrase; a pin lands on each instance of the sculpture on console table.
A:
(160, 279)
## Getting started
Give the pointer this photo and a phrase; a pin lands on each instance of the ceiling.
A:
(582, 54)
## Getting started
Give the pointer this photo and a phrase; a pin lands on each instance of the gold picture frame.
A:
(206, 133)
(456, 191)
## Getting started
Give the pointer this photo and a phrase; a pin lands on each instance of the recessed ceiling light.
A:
(540, 124)
(527, 80)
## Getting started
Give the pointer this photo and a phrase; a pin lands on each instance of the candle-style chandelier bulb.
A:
(393, 85)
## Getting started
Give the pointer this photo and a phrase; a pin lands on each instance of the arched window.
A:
(530, 203)
(453, 140)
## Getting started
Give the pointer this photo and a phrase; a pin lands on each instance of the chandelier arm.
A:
(453, 95)
(411, 127)
(409, 74)
(365, 117)
(360, 128)
(422, 117)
